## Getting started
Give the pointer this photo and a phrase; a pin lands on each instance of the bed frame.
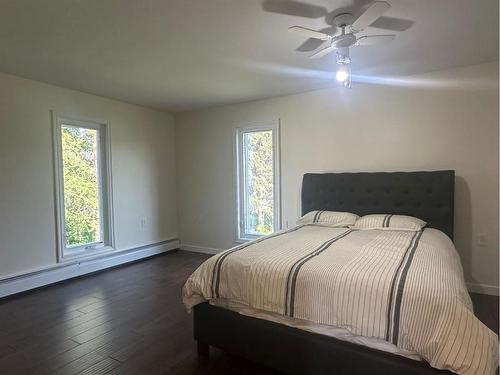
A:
(426, 195)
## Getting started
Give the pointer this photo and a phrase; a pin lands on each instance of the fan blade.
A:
(309, 45)
(323, 52)
(312, 44)
(309, 33)
(370, 15)
(370, 40)
(294, 8)
(392, 24)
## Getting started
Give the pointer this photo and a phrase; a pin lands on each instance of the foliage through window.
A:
(83, 199)
(257, 174)
(81, 185)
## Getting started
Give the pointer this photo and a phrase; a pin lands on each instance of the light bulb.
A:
(342, 75)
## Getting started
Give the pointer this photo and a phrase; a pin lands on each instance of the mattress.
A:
(404, 288)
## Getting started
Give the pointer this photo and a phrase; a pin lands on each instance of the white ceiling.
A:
(183, 54)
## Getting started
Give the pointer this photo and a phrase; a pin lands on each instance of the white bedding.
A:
(404, 288)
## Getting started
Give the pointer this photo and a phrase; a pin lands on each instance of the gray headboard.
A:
(426, 195)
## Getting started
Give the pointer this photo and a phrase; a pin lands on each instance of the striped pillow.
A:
(391, 222)
(329, 218)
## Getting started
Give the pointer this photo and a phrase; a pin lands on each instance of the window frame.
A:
(239, 176)
(69, 253)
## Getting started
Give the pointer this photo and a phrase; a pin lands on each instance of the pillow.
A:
(329, 218)
(390, 222)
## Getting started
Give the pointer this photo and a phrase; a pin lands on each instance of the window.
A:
(257, 170)
(82, 182)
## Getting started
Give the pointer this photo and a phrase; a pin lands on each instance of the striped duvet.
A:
(403, 287)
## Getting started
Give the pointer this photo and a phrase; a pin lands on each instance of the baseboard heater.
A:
(63, 271)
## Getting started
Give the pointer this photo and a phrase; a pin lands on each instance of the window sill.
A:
(243, 240)
(247, 239)
(87, 254)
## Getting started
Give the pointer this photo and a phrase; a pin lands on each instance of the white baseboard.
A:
(492, 290)
(64, 271)
(200, 249)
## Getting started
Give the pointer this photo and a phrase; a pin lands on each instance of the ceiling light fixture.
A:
(340, 43)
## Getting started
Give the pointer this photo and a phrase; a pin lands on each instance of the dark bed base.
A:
(292, 350)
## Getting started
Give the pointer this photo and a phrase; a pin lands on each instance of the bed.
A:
(282, 317)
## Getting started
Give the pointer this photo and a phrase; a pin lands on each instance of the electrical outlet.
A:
(482, 239)
(286, 223)
(143, 223)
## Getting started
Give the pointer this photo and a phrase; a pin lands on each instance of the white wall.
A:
(444, 120)
(143, 168)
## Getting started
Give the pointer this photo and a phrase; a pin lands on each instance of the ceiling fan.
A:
(347, 38)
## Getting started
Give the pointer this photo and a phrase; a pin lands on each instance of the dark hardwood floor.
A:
(128, 320)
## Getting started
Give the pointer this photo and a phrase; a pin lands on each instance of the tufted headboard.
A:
(426, 195)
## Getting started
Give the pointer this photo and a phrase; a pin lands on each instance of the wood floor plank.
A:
(22, 361)
(5, 349)
(128, 320)
(66, 358)
(81, 364)
(101, 367)
(103, 346)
